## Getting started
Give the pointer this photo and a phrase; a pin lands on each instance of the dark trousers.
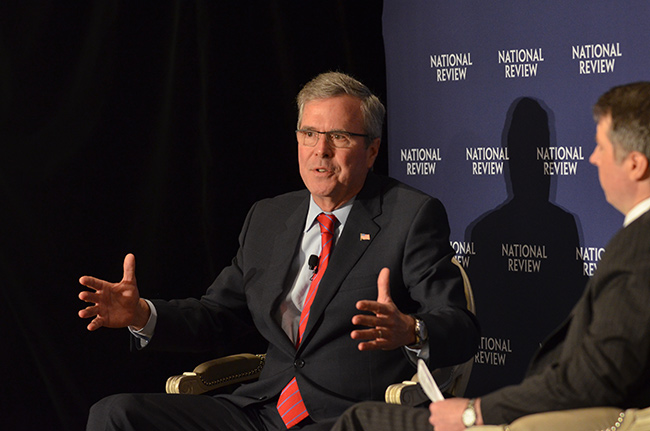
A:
(168, 412)
(378, 416)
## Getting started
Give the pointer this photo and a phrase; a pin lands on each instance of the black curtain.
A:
(147, 127)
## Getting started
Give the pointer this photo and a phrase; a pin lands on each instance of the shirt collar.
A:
(341, 213)
(636, 212)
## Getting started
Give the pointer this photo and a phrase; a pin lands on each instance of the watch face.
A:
(469, 417)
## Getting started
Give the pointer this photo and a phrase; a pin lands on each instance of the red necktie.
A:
(290, 405)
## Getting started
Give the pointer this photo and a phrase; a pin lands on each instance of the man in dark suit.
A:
(600, 356)
(391, 243)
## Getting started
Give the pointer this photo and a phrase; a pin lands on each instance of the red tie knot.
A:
(326, 222)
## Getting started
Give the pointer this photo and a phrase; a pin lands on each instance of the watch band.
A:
(421, 334)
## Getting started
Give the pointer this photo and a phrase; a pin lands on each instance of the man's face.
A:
(613, 175)
(335, 175)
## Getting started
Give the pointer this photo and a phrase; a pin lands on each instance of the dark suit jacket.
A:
(600, 356)
(409, 233)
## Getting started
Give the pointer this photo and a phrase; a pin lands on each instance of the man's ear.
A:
(639, 166)
(373, 151)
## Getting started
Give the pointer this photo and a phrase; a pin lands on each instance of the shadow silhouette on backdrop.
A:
(525, 273)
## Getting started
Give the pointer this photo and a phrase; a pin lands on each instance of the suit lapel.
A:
(348, 250)
(282, 253)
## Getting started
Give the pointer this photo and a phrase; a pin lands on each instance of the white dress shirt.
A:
(637, 211)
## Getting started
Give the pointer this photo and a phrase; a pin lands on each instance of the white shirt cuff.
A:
(145, 334)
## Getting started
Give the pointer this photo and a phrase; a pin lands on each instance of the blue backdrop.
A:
(489, 109)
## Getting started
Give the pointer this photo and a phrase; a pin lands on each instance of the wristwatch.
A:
(421, 333)
(469, 415)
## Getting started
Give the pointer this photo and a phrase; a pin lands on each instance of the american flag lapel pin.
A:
(364, 237)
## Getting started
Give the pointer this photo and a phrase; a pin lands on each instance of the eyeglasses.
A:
(337, 138)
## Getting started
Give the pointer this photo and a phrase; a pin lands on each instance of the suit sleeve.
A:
(607, 363)
(436, 284)
(219, 319)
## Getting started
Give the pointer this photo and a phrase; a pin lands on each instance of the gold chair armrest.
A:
(451, 381)
(217, 373)
(407, 393)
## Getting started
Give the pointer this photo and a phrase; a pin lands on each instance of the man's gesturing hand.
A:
(389, 327)
(115, 305)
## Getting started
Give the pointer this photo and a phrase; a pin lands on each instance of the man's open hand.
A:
(389, 328)
(115, 305)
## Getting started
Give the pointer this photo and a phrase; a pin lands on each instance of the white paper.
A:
(428, 383)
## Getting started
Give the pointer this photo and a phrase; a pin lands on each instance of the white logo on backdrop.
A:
(520, 63)
(560, 160)
(596, 58)
(451, 67)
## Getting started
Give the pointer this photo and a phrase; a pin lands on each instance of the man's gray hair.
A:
(331, 84)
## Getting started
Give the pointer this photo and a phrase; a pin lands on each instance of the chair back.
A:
(453, 380)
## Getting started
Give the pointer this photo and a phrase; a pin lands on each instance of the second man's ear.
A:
(640, 167)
